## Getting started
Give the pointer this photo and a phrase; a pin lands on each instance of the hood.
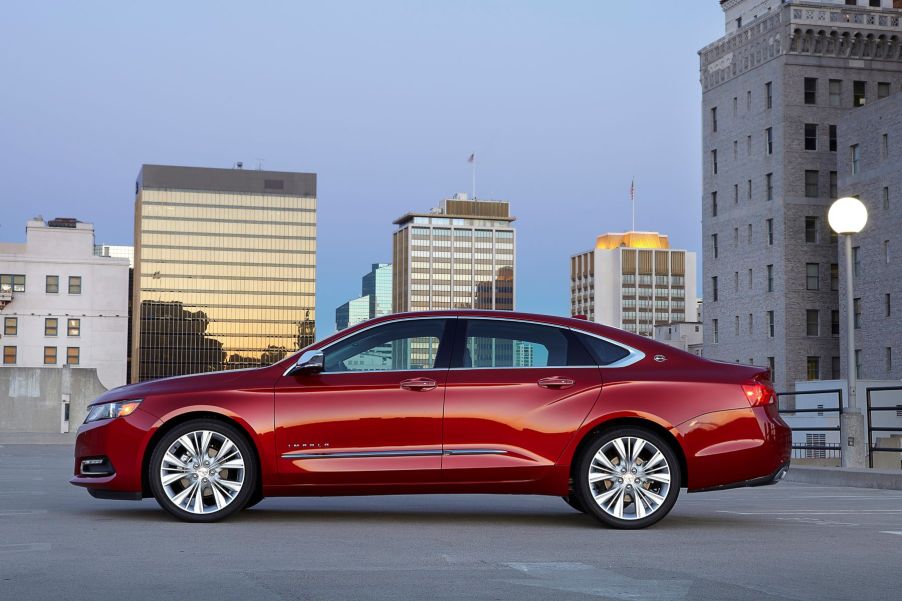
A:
(186, 383)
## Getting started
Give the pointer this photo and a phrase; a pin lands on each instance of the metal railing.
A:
(872, 447)
(838, 410)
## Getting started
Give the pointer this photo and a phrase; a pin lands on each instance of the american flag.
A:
(472, 158)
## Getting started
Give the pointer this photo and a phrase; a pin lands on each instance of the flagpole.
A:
(633, 201)
(474, 176)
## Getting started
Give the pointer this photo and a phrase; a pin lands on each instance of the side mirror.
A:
(308, 362)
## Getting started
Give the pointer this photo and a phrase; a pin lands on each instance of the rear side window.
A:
(502, 343)
(604, 352)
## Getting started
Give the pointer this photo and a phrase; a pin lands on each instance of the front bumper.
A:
(120, 442)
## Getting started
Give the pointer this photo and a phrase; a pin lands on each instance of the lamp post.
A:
(848, 216)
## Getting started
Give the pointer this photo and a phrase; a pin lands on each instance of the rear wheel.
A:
(628, 478)
(202, 471)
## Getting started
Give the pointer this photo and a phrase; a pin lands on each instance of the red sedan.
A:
(444, 402)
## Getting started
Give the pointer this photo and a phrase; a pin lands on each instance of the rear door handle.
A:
(418, 384)
(556, 382)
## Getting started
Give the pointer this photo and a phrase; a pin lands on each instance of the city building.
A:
(870, 168)
(375, 300)
(61, 304)
(460, 256)
(225, 268)
(633, 281)
(775, 90)
(684, 335)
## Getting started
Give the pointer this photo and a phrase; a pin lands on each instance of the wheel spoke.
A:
(663, 477)
(657, 458)
(171, 478)
(170, 458)
(637, 448)
(189, 445)
(621, 451)
(205, 438)
(599, 476)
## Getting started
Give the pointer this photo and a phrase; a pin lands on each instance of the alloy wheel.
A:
(629, 478)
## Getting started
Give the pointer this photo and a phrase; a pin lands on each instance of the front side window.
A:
(501, 343)
(401, 345)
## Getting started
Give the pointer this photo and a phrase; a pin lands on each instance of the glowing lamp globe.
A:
(847, 216)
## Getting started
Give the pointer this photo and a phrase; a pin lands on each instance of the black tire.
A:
(575, 502)
(633, 514)
(255, 498)
(248, 483)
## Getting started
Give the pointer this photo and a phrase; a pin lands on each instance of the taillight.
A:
(759, 393)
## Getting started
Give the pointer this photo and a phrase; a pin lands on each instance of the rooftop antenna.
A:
(472, 161)
(633, 200)
(260, 164)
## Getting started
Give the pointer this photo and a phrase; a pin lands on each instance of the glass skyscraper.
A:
(225, 269)
(374, 302)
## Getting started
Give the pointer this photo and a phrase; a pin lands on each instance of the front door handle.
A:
(418, 384)
(556, 383)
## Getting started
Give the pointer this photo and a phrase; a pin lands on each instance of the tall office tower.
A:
(374, 302)
(774, 89)
(225, 268)
(870, 168)
(633, 281)
(458, 256)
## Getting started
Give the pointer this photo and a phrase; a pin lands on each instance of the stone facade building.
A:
(775, 89)
(870, 168)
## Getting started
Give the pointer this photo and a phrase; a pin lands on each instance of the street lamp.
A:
(848, 216)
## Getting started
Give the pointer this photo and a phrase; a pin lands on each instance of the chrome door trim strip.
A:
(368, 454)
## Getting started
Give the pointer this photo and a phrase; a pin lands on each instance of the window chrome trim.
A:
(405, 453)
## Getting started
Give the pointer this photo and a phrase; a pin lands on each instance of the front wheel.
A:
(628, 478)
(202, 471)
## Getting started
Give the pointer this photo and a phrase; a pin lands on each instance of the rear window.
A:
(604, 352)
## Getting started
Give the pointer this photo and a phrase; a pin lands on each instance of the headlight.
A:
(111, 410)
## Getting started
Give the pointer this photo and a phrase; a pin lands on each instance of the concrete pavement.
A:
(789, 541)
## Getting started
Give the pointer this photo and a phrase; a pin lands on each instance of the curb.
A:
(846, 476)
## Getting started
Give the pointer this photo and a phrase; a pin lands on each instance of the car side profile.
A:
(443, 402)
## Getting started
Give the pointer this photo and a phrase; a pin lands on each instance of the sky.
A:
(562, 102)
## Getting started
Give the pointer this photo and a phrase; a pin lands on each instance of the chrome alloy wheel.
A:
(629, 478)
(202, 472)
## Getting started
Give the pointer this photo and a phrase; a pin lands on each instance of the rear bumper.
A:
(773, 478)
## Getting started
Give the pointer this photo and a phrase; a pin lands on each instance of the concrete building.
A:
(870, 168)
(633, 281)
(684, 335)
(225, 269)
(61, 304)
(775, 89)
(460, 255)
(375, 300)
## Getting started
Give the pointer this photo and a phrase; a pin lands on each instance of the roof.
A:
(245, 181)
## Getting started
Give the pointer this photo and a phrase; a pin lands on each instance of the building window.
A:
(770, 324)
(832, 132)
(750, 189)
(10, 326)
(737, 326)
(735, 193)
(769, 140)
(9, 355)
(72, 355)
(49, 355)
(810, 90)
(888, 304)
(52, 285)
(811, 178)
(736, 237)
(858, 363)
(856, 261)
(812, 276)
(735, 150)
(884, 146)
(768, 95)
(74, 284)
(714, 161)
(814, 368)
(713, 204)
(770, 232)
(833, 185)
(714, 119)
(883, 89)
(751, 325)
(51, 325)
(834, 322)
(885, 198)
(770, 278)
(856, 312)
(811, 136)
(811, 230)
(748, 145)
(886, 251)
(771, 364)
(714, 332)
(714, 288)
(812, 322)
(714, 245)
(834, 368)
(73, 327)
(749, 233)
(858, 93)
(11, 282)
(769, 184)
(834, 277)
(735, 105)
(855, 151)
(748, 100)
(835, 92)
(735, 281)
(751, 279)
